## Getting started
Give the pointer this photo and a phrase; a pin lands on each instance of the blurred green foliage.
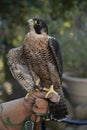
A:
(74, 42)
(66, 21)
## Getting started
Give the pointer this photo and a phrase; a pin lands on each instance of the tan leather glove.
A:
(18, 110)
(37, 99)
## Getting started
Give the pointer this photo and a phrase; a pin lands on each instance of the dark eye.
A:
(37, 22)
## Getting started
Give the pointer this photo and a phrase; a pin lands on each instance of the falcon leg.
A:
(27, 95)
(50, 90)
(37, 84)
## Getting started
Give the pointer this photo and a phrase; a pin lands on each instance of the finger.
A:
(39, 94)
(41, 103)
(40, 111)
(54, 98)
(33, 96)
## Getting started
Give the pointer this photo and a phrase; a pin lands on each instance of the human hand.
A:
(38, 102)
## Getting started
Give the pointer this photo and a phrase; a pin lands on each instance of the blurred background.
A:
(66, 20)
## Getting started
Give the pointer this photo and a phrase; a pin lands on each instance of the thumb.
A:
(40, 106)
(34, 95)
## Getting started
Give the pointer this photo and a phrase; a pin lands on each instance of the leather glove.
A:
(40, 104)
(17, 110)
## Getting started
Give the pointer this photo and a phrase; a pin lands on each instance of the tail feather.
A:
(59, 111)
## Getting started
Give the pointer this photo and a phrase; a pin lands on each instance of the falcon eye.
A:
(36, 22)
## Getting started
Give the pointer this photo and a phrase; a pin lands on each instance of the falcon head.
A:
(38, 25)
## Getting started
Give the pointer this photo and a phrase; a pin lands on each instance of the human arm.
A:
(17, 110)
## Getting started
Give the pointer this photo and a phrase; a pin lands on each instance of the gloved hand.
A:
(40, 103)
(17, 110)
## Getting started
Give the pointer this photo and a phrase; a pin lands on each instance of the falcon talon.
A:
(37, 89)
(27, 95)
(50, 90)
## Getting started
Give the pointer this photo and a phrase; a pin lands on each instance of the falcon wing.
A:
(60, 108)
(19, 68)
(55, 48)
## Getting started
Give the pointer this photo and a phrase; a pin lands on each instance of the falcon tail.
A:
(59, 111)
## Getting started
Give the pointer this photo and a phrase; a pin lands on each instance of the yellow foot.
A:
(37, 85)
(37, 90)
(27, 95)
(50, 90)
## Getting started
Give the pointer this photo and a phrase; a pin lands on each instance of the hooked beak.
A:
(30, 22)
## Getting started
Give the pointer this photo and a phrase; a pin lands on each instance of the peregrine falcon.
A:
(38, 62)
